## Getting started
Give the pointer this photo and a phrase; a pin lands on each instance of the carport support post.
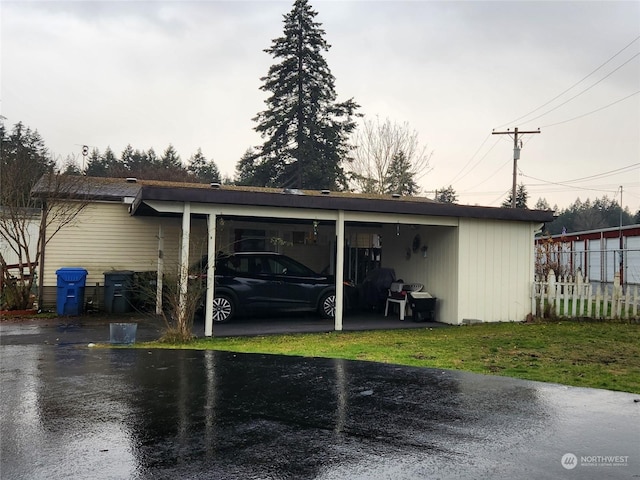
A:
(339, 269)
(211, 255)
(184, 262)
(160, 271)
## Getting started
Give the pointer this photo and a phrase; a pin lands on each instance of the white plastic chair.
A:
(397, 294)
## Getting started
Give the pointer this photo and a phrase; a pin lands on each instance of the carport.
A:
(468, 257)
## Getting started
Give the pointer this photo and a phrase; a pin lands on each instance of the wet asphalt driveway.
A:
(74, 412)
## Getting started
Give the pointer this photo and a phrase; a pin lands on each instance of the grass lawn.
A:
(585, 354)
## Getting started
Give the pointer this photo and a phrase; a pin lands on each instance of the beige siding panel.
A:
(495, 270)
(117, 241)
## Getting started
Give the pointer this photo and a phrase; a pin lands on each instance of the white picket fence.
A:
(575, 297)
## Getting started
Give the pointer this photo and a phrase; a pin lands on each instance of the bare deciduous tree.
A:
(57, 200)
(377, 145)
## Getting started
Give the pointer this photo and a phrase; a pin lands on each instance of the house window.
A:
(247, 240)
(298, 238)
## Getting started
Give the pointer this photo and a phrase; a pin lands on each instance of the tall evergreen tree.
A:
(246, 173)
(304, 127)
(170, 159)
(23, 160)
(96, 167)
(127, 157)
(115, 167)
(521, 198)
(71, 167)
(152, 158)
(400, 177)
(446, 195)
(542, 204)
(203, 169)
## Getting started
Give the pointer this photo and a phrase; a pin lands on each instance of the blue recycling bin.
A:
(70, 297)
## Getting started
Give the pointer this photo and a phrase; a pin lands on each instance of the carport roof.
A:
(116, 189)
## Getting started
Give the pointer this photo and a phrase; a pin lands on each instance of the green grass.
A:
(585, 354)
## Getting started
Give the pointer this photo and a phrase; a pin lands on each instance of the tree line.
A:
(145, 164)
(588, 215)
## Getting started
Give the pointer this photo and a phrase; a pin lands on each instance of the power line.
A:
(583, 91)
(593, 111)
(490, 176)
(470, 160)
(572, 86)
(481, 159)
(545, 187)
(565, 185)
(497, 199)
(574, 187)
(597, 175)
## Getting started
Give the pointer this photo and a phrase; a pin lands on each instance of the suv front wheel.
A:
(328, 305)
(223, 309)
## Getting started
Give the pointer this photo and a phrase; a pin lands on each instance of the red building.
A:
(599, 254)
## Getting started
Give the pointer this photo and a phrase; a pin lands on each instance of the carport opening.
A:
(404, 252)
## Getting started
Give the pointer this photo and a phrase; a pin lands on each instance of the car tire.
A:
(328, 305)
(223, 309)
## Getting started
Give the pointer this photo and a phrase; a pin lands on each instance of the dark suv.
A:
(261, 282)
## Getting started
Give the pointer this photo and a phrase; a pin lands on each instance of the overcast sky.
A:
(154, 73)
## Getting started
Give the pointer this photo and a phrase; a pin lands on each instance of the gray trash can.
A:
(118, 285)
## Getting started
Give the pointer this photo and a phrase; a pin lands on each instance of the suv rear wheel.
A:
(223, 309)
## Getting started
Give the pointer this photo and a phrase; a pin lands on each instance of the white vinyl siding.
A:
(495, 270)
(437, 272)
(32, 228)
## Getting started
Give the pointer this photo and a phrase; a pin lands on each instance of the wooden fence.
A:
(575, 297)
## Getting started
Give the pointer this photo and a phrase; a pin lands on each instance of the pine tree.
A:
(170, 159)
(96, 167)
(304, 127)
(521, 198)
(104, 165)
(446, 195)
(71, 167)
(23, 160)
(400, 176)
(202, 169)
(542, 204)
(152, 159)
(115, 167)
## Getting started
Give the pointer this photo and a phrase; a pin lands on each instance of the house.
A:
(478, 261)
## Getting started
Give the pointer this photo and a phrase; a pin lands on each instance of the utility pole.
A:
(621, 241)
(516, 156)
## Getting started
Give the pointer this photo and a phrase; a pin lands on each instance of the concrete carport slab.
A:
(292, 324)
